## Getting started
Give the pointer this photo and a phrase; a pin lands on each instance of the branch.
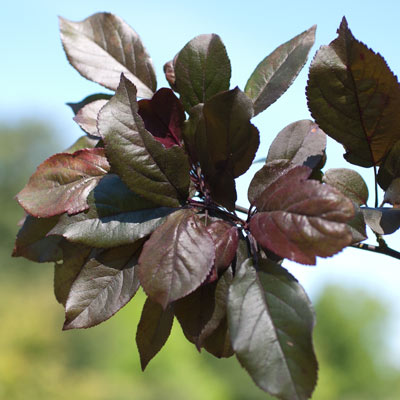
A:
(241, 209)
(377, 249)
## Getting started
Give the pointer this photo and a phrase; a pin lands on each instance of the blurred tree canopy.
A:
(39, 361)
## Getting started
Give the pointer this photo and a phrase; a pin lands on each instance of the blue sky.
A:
(36, 81)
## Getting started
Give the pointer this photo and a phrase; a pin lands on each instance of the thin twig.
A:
(241, 209)
(377, 249)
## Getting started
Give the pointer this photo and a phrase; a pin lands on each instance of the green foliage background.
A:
(39, 361)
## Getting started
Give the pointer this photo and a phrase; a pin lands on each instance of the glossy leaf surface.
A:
(103, 46)
(300, 219)
(301, 143)
(276, 72)
(270, 323)
(103, 286)
(202, 69)
(177, 258)
(63, 182)
(354, 97)
(153, 330)
(160, 175)
(116, 217)
(86, 117)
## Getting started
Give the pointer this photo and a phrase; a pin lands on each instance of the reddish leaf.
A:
(63, 182)
(300, 219)
(153, 330)
(177, 258)
(163, 117)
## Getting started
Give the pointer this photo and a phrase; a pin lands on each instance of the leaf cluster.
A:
(147, 197)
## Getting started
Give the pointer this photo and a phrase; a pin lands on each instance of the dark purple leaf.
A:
(177, 258)
(103, 46)
(103, 286)
(219, 343)
(32, 242)
(301, 143)
(355, 98)
(160, 175)
(390, 169)
(270, 323)
(276, 72)
(116, 217)
(300, 219)
(195, 310)
(63, 182)
(86, 117)
(163, 117)
(153, 330)
(202, 69)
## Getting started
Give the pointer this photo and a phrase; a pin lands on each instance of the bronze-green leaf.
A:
(355, 98)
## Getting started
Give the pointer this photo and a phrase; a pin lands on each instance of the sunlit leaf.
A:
(300, 219)
(276, 72)
(161, 175)
(202, 69)
(104, 285)
(392, 194)
(63, 182)
(87, 100)
(103, 46)
(301, 143)
(355, 98)
(86, 117)
(270, 322)
(116, 217)
(177, 258)
(349, 182)
(153, 330)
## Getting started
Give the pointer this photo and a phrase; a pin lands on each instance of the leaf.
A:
(349, 182)
(32, 243)
(270, 322)
(354, 97)
(116, 217)
(103, 46)
(228, 144)
(104, 285)
(218, 343)
(84, 142)
(276, 72)
(177, 258)
(392, 194)
(217, 317)
(202, 69)
(357, 226)
(382, 220)
(226, 239)
(63, 182)
(65, 273)
(160, 175)
(390, 169)
(153, 330)
(301, 143)
(195, 310)
(163, 117)
(87, 100)
(268, 174)
(300, 219)
(86, 117)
